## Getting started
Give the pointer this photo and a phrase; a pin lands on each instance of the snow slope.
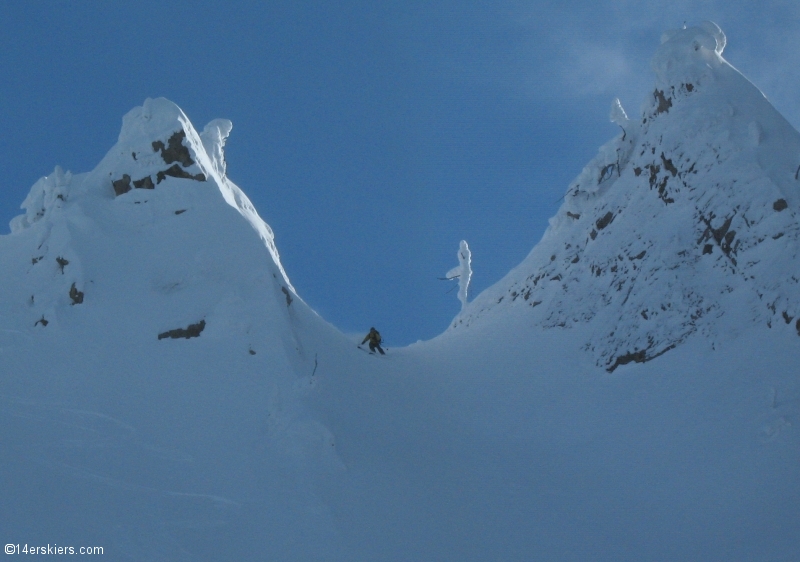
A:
(624, 394)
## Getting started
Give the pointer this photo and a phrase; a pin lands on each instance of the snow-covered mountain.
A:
(628, 392)
(150, 340)
(689, 213)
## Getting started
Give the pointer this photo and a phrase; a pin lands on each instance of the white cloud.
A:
(595, 69)
(604, 49)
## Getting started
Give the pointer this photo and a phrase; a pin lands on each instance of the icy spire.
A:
(462, 272)
(213, 137)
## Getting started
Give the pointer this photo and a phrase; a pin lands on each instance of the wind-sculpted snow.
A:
(689, 215)
(462, 272)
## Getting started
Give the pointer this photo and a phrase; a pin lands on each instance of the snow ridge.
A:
(685, 223)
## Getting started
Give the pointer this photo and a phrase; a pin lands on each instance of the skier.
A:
(374, 338)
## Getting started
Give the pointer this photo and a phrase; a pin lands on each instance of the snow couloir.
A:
(165, 392)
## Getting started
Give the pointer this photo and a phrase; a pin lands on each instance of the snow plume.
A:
(462, 272)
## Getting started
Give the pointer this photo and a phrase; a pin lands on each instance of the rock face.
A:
(175, 151)
(75, 295)
(688, 215)
(191, 331)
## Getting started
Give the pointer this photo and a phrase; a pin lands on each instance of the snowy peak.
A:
(684, 224)
(157, 144)
(156, 225)
(157, 141)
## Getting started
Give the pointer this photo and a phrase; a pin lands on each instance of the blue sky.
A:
(371, 136)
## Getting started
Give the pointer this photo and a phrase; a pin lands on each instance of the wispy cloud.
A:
(604, 49)
(774, 66)
(595, 69)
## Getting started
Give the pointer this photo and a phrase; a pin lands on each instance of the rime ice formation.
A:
(688, 216)
(618, 115)
(462, 272)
